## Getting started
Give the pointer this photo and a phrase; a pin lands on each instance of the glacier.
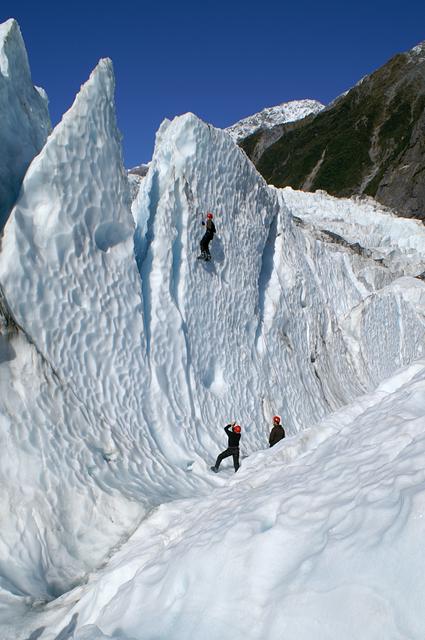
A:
(25, 121)
(122, 357)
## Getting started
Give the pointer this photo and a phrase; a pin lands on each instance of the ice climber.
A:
(233, 432)
(277, 433)
(207, 237)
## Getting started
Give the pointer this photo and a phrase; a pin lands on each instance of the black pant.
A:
(231, 451)
(205, 241)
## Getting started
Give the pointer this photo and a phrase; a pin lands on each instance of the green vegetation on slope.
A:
(349, 147)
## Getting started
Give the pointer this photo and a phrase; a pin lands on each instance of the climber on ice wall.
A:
(207, 237)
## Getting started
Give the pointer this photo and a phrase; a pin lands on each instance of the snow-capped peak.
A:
(418, 52)
(272, 116)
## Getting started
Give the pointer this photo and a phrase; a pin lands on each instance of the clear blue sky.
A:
(222, 60)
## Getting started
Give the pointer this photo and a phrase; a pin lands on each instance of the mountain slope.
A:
(370, 141)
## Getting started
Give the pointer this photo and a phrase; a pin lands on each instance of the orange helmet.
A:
(276, 419)
(210, 216)
(236, 428)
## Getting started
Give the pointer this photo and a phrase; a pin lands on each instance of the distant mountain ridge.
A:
(273, 116)
(369, 141)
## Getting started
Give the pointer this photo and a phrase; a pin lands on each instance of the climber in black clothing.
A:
(207, 237)
(277, 433)
(233, 432)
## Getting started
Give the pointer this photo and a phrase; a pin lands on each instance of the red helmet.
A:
(210, 216)
(236, 428)
(276, 419)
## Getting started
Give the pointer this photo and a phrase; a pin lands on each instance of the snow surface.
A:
(25, 121)
(417, 53)
(141, 170)
(319, 537)
(272, 116)
(122, 357)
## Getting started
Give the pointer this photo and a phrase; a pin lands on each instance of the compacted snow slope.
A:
(320, 537)
(24, 122)
(122, 357)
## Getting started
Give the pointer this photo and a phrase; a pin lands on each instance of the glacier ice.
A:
(122, 357)
(25, 121)
(320, 537)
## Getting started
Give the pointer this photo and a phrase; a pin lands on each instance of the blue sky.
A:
(223, 60)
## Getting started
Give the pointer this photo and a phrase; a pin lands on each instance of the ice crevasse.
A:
(124, 356)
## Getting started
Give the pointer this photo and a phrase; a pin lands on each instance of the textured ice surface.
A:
(159, 359)
(272, 116)
(273, 304)
(398, 243)
(122, 357)
(24, 122)
(319, 537)
(68, 272)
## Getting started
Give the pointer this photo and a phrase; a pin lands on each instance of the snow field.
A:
(318, 537)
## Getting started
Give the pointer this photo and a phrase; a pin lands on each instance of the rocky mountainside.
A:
(369, 141)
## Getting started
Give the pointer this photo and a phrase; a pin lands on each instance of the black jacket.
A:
(233, 437)
(210, 228)
(276, 434)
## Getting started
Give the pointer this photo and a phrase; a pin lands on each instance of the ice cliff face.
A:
(123, 356)
(69, 278)
(25, 121)
(267, 305)
(272, 116)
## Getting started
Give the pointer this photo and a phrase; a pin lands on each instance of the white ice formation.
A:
(24, 123)
(272, 116)
(122, 357)
(320, 537)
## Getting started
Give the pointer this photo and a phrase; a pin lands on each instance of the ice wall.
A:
(273, 323)
(58, 521)
(71, 285)
(69, 278)
(25, 121)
